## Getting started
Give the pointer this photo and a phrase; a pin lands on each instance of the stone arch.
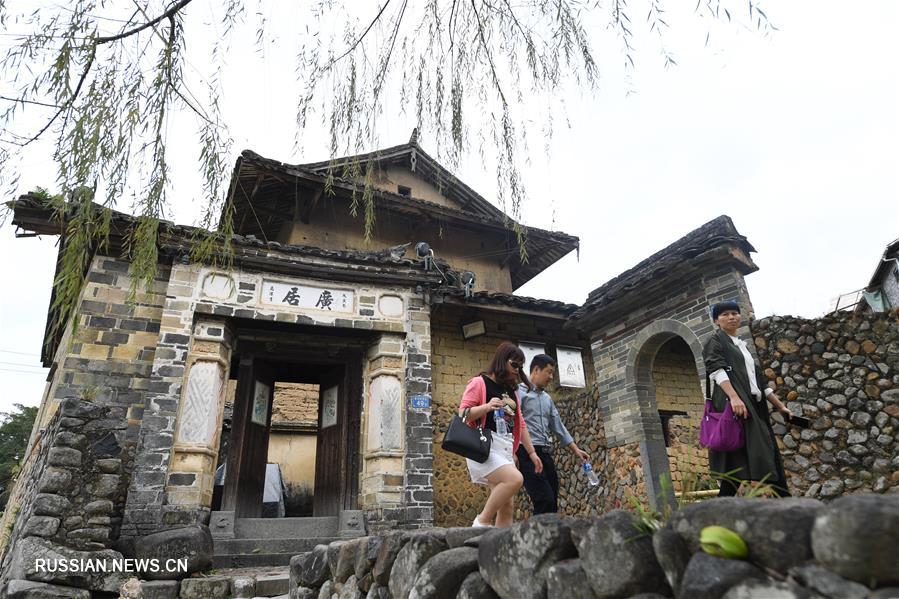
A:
(638, 373)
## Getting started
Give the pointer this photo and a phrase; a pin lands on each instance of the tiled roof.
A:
(717, 232)
(495, 298)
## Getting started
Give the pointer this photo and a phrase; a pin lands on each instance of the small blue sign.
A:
(421, 401)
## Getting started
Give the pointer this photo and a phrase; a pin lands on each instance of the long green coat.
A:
(760, 456)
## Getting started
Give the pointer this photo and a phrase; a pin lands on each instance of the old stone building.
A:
(346, 358)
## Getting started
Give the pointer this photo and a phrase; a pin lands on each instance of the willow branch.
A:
(166, 15)
(361, 37)
(70, 101)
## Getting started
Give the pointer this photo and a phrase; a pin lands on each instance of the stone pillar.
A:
(198, 426)
(146, 493)
(419, 483)
(384, 427)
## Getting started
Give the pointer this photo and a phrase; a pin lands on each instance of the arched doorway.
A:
(665, 369)
(679, 400)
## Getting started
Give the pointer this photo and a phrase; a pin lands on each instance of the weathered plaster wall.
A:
(331, 227)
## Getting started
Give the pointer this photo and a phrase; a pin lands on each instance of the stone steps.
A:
(271, 541)
(246, 553)
(285, 528)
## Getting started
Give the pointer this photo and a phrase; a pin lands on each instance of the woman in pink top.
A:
(483, 397)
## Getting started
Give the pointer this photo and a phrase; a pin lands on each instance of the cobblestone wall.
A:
(842, 372)
(620, 469)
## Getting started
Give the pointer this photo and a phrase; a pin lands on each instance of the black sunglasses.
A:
(515, 365)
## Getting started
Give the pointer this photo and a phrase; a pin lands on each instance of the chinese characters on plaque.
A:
(329, 407)
(312, 298)
(261, 395)
(571, 367)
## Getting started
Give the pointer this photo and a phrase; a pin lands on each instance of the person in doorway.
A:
(542, 418)
(492, 390)
(738, 379)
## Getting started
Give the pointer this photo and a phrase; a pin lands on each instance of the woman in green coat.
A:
(738, 379)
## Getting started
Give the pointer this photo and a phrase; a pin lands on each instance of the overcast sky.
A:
(793, 135)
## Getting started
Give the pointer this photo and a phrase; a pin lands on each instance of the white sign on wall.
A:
(261, 394)
(329, 407)
(327, 299)
(530, 350)
(571, 367)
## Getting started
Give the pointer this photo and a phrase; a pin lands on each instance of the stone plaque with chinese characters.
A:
(326, 299)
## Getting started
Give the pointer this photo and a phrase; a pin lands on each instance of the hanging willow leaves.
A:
(107, 75)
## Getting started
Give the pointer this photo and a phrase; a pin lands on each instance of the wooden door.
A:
(248, 454)
(329, 463)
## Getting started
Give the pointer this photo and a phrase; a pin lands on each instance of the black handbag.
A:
(465, 441)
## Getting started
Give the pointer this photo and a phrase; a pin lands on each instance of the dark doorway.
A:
(336, 371)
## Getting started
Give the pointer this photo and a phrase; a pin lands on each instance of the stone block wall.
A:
(74, 490)
(199, 295)
(112, 349)
(455, 362)
(842, 372)
(795, 548)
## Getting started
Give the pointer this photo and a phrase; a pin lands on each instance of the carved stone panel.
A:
(200, 410)
(217, 285)
(385, 417)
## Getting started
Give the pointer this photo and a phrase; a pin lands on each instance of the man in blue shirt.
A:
(542, 417)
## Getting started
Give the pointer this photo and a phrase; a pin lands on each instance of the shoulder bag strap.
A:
(708, 375)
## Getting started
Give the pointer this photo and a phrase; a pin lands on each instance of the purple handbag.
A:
(721, 431)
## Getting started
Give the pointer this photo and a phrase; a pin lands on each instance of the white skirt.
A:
(500, 455)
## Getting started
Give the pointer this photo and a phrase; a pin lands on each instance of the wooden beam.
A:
(272, 212)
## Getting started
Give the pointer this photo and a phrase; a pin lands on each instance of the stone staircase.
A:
(272, 541)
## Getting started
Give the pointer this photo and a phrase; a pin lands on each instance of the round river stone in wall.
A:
(390, 305)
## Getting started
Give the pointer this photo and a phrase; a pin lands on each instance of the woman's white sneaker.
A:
(477, 523)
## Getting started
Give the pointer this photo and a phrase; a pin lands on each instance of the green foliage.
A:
(723, 542)
(15, 430)
(693, 486)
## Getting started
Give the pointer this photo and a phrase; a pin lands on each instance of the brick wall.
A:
(455, 362)
(112, 351)
(677, 387)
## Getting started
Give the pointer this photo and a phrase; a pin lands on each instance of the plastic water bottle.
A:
(591, 476)
(502, 429)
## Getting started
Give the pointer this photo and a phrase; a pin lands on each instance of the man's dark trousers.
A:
(542, 488)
